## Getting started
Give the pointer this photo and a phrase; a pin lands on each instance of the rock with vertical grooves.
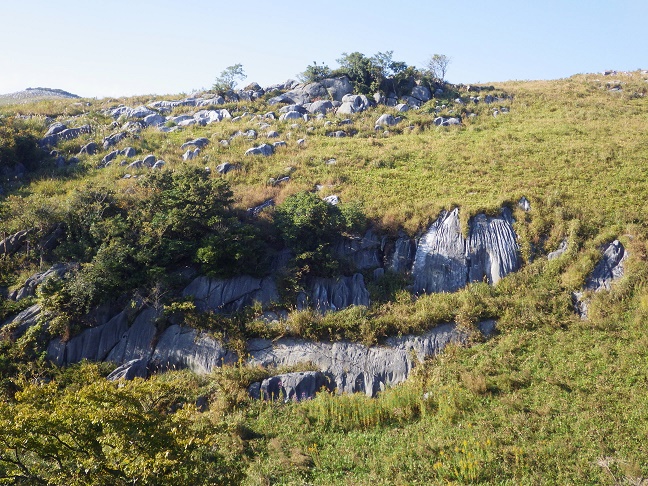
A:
(440, 263)
(135, 368)
(445, 261)
(93, 344)
(353, 367)
(232, 294)
(182, 347)
(293, 387)
(492, 248)
(331, 294)
(608, 269)
(137, 341)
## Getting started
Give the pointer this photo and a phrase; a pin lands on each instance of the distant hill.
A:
(34, 94)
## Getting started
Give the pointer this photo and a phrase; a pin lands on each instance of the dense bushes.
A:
(309, 226)
(17, 145)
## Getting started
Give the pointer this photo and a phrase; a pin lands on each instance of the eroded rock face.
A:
(445, 261)
(293, 387)
(137, 341)
(440, 263)
(331, 294)
(182, 347)
(608, 269)
(11, 244)
(231, 295)
(492, 250)
(23, 321)
(361, 253)
(353, 367)
(93, 344)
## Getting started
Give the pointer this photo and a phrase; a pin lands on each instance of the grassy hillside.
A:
(551, 399)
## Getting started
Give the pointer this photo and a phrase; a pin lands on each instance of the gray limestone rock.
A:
(154, 120)
(149, 160)
(191, 154)
(440, 263)
(492, 248)
(524, 204)
(333, 199)
(264, 149)
(293, 387)
(361, 253)
(403, 256)
(12, 243)
(421, 93)
(257, 209)
(225, 167)
(337, 88)
(445, 261)
(320, 106)
(137, 341)
(182, 347)
(353, 367)
(128, 152)
(231, 295)
(608, 269)
(446, 122)
(109, 158)
(562, 248)
(89, 149)
(55, 128)
(347, 108)
(135, 368)
(198, 142)
(331, 294)
(291, 115)
(93, 344)
(114, 139)
(65, 134)
(386, 120)
(19, 324)
(29, 287)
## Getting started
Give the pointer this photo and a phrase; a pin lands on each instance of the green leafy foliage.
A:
(315, 72)
(18, 145)
(309, 226)
(94, 432)
(229, 78)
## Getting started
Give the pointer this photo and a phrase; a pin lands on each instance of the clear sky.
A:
(99, 48)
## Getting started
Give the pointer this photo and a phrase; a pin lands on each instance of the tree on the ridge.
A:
(438, 66)
(229, 78)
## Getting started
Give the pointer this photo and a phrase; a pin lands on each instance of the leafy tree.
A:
(309, 226)
(229, 78)
(362, 72)
(177, 210)
(438, 66)
(17, 145)
(315, 72)
(94, 432)
(386, 65)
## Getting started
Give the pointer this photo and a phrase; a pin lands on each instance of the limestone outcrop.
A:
(446, 261)
(353, 367)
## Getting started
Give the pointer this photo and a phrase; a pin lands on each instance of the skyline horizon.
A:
(161, 47)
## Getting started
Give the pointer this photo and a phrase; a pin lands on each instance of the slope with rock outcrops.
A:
(462, 265)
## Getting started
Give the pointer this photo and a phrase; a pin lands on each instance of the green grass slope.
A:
(550, 399)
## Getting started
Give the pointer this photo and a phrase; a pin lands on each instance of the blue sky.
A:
(127, 47)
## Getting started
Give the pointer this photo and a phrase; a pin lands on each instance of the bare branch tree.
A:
(438, 66)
